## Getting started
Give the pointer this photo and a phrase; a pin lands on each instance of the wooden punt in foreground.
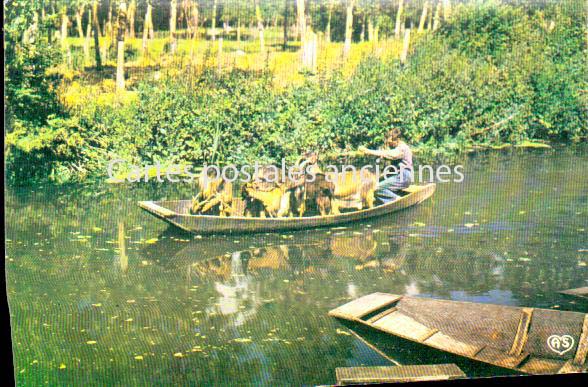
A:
(397, 374)
(528, 340)
(177, 213)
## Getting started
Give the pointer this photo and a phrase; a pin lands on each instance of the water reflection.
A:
(86, 265)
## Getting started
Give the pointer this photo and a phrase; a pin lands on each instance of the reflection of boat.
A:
(176, 212)
(528, 340)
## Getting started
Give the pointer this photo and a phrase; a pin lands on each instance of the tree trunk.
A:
(348, 28)
(437, 16)
(286, 14)
(405, 46)
(147, 27)
(173, 18)
(446, 9)
(430, 21)
(397, 28)
(309, 51)
(301, 16)
(195, 16)
(131, 18)
(423, 17)
(63, 32)
(79, 14)
(96, 31)
(213, 30)
(259, 26)
(108, 28)
(219, 55)
(87, 38)
(120, 46)
(329, 17)
(362, 32)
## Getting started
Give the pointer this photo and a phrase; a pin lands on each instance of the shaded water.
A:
(101, 292)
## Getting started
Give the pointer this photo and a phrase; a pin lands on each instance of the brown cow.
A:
(353, 189)
(215, 195)
(315, 192)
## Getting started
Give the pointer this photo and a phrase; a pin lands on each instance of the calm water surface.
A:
(101, 292)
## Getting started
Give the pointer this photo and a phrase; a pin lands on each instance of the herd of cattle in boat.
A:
(268, 196)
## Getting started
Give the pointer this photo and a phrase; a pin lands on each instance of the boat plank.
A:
(402, 325)
(396, 374)
(522, 332)
(538, 366)
(547, 323)
(364, 305)
(447, 343)
(580, 358)
(499, 358)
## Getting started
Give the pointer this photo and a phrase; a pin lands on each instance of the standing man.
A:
(400, 155)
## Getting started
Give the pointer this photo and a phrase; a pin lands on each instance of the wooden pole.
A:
(423, 17)
(260, 27)
(96, 32)
(120, 46)
(301, 13)
(405, 46)
(348, 28)
(437, 18)
(397, 28)
(173, 19)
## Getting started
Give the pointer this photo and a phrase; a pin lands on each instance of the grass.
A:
(285, 65)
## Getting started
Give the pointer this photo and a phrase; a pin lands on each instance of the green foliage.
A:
(495, 74)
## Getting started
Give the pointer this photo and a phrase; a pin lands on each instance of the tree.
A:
(96, 32)
(173, 19)
(132, 10)
(260, 27)
(397, 26)
(120, 45)
(301, 17)
(148, 32)
(348, 28)
(423, 17)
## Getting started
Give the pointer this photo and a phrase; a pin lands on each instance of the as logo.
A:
(560, 344)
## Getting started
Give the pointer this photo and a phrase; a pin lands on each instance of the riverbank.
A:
(463, 87)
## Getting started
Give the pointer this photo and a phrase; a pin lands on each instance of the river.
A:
(101, 292)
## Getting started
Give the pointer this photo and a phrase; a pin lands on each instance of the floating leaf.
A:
(91, 342)
(242, 340)
(62, 366)
(342, 332)
(178, 354)
(151, 241)
(138, 357)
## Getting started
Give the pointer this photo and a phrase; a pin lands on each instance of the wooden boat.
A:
(528, 340)
(578, 292)
(397, 374)
(177, 213)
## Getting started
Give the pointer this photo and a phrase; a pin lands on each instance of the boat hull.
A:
(176, 213)
(527, 340)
